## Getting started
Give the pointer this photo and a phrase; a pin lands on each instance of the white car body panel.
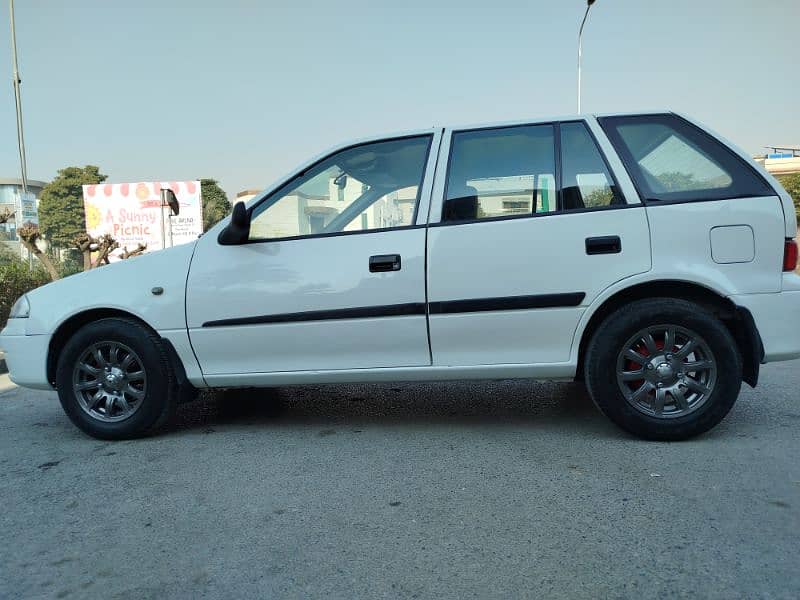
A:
(124, 286)
(326, 273)
(520, 257)
(681, 237)
(296, 276)
(702, 243)
(25, 355)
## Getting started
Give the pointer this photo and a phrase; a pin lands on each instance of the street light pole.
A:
(580, 49)
(23, 163)
(18, 99)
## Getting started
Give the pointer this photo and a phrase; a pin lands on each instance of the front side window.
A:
(367, 187)
(585, 179)
(671, 159)
(501, 173)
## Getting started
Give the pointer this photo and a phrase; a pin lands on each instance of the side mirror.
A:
(238, 229)
(168, 199)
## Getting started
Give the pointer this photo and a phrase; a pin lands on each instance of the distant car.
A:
(639, 252)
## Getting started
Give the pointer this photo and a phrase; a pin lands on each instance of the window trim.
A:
(558, 167)
(615, 181)
(553, 125)
(627, 160)
(293, 178)
(554, 213)
(556, 125)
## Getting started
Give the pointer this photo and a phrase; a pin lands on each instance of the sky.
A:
(243, 92)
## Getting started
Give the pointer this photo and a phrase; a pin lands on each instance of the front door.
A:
(332, 276)
(531, 229)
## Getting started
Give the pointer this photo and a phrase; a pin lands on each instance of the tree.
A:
(61, 215)
(599, 197)
(103, 246)
(215, 203)
(28, 234)
(791, 183)
(138, 251)
(676, 181)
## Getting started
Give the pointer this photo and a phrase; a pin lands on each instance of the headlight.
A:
(21, 308)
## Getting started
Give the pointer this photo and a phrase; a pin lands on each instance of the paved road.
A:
(498, 489)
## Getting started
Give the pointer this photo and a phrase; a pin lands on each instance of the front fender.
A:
(126, 285)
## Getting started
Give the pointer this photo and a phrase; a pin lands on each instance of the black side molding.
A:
(363, 312)
(412, 308)
(606, 244)
(506, 303)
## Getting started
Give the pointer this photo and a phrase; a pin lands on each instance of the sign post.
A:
(26, 212)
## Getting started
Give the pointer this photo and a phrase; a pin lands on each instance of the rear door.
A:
(527, 227)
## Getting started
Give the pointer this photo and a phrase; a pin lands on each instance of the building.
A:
(247, 195)
(11, 200)
(315, 204)
(782, 160)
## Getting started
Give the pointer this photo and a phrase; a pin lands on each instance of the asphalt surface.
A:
(506, 489)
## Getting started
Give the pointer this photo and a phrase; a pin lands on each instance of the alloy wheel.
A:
(109, 381)
(666, 371)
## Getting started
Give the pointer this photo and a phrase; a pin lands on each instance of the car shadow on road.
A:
(517, 402)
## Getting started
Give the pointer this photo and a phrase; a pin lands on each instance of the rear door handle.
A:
(606, 244)
(384, 262)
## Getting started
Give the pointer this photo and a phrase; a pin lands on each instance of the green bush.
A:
(791, 183)
(7, 255)
(15, 280)
(72, 263)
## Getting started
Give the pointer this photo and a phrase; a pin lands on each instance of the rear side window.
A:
(501, 173)
(670, 159)
(585, 179)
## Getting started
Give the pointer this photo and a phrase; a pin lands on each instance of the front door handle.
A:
(384, 262)
(606, 244)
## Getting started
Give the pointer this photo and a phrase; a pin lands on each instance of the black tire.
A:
(157, 407)
(601, 364)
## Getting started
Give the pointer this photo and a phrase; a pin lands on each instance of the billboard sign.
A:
(130, 213)
(27, 209)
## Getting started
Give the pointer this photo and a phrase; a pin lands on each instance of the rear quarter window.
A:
(669, 159)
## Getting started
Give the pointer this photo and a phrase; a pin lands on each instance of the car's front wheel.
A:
(115, 380)
(663, 369)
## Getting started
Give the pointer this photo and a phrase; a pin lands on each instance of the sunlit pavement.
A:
(5, 383)
(451, 490)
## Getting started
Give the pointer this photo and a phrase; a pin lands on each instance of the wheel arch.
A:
(71, 325)
(737, 319)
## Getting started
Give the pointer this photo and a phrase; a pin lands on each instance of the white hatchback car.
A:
(639, 252)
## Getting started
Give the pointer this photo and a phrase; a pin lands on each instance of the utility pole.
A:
(580, 36)
(18, 99)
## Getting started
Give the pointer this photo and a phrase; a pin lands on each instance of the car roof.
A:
(490, 125)
(552, 119)
(431, 130)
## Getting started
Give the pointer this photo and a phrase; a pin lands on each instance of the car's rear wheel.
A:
(115, 380)
(663, 368)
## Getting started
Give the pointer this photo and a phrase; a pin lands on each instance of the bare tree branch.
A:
(103, 246)
(135, 252)
(6, 215)
(29, 235)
